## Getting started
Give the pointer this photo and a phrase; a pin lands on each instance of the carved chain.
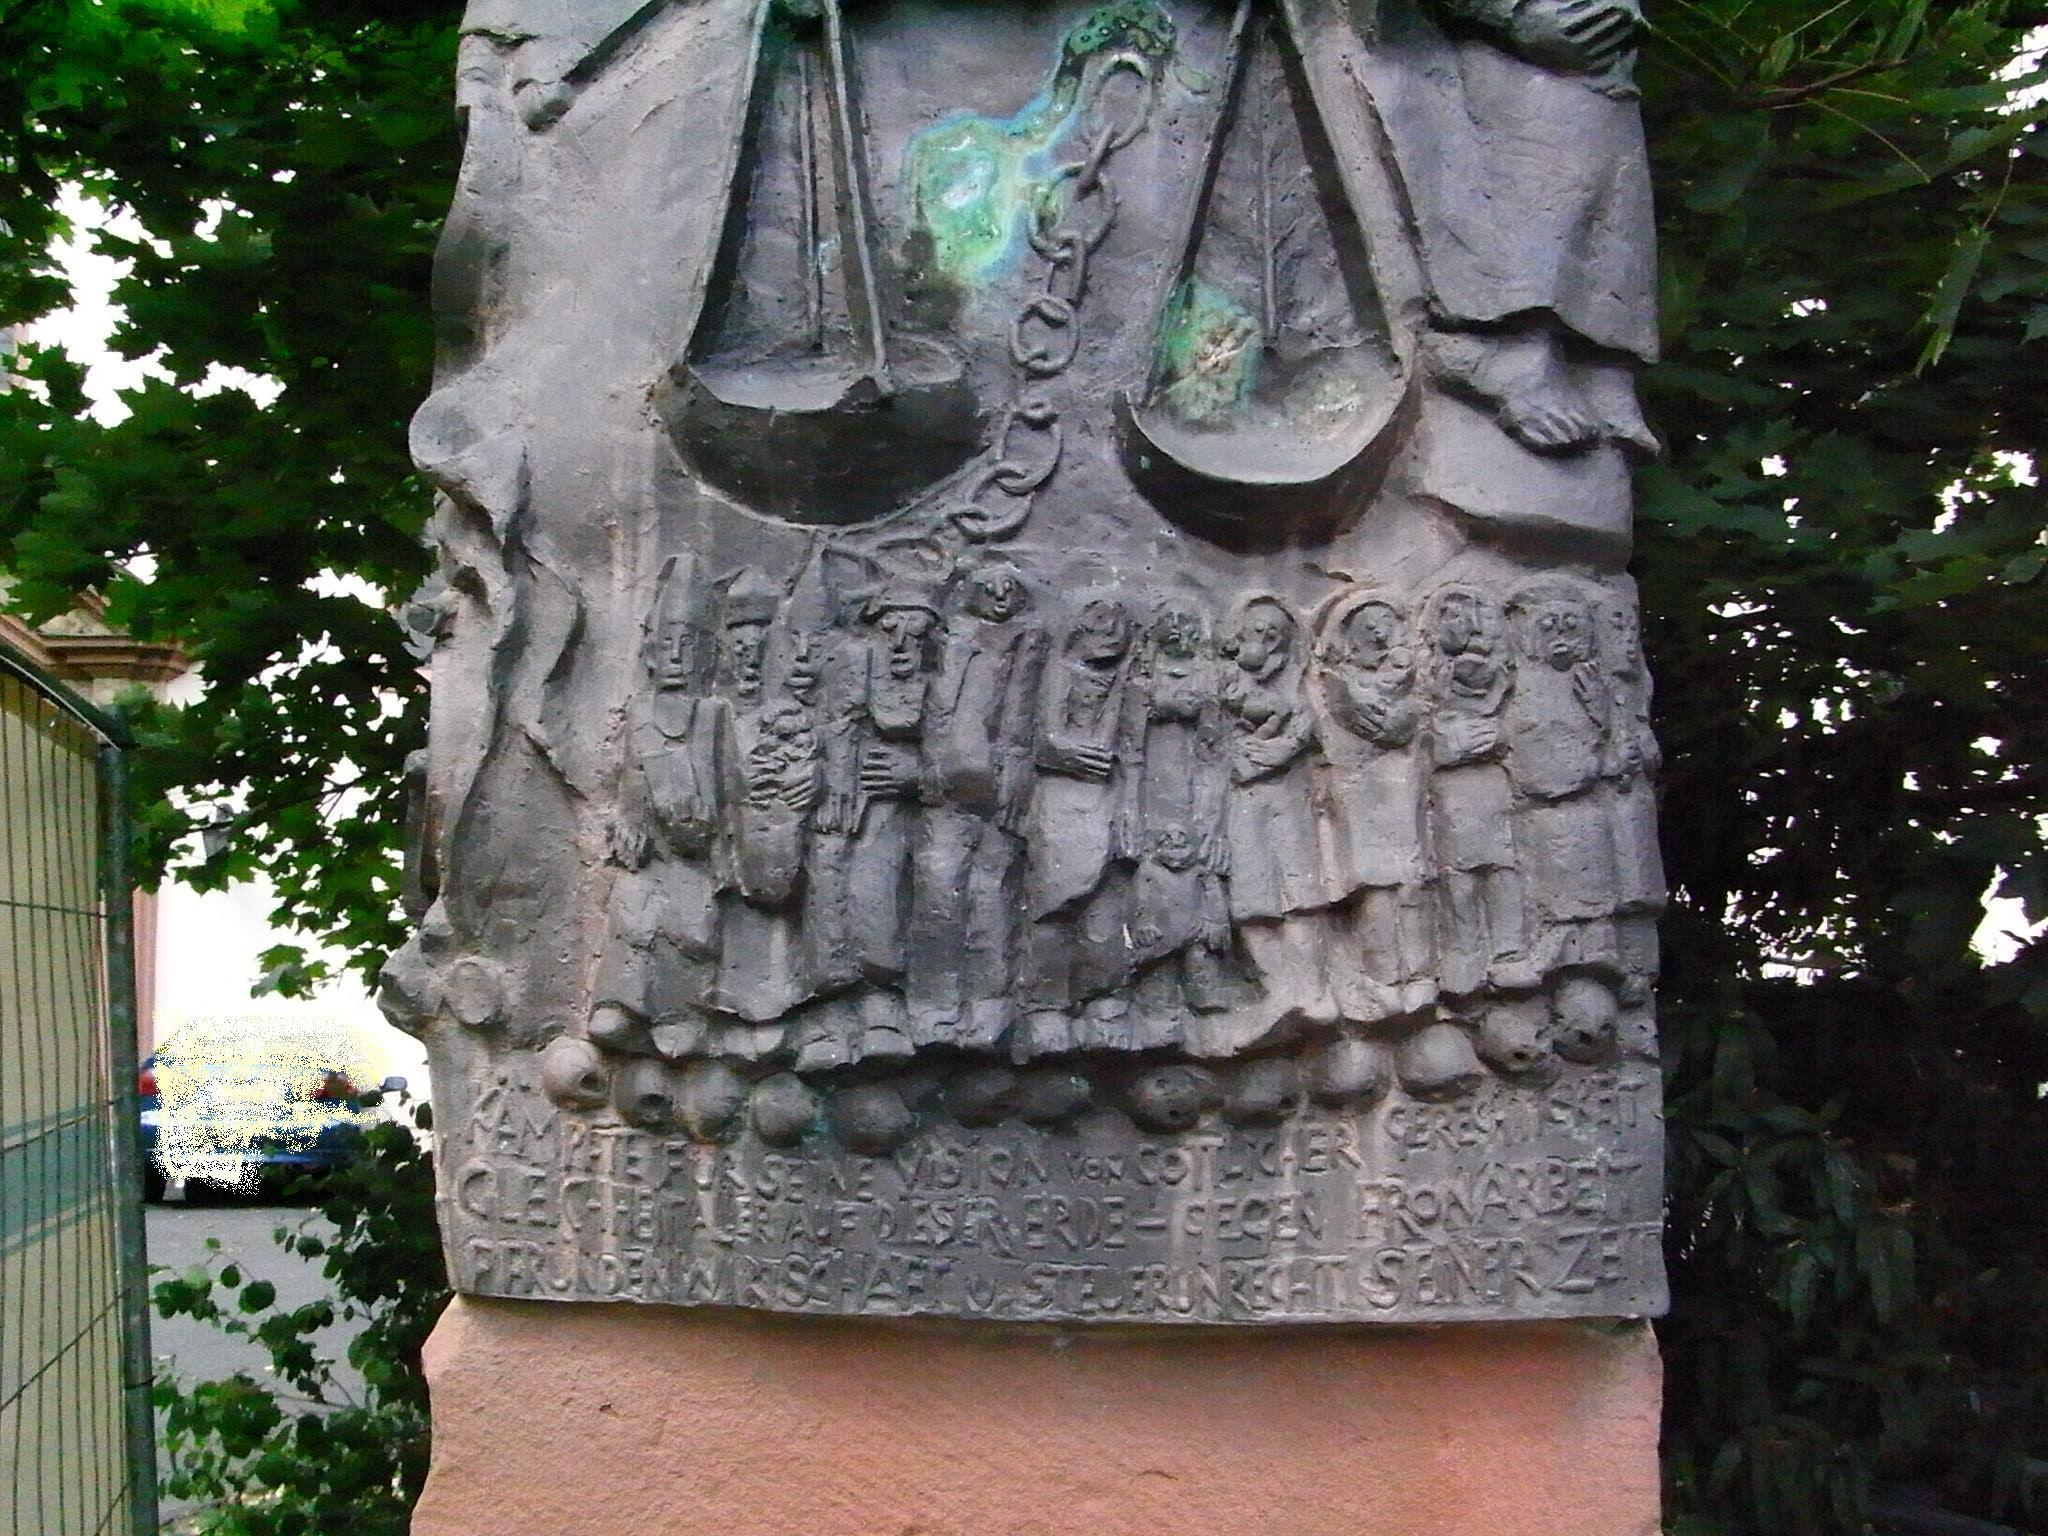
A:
(1067, 227)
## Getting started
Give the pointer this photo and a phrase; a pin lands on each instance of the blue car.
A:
(235, 1129)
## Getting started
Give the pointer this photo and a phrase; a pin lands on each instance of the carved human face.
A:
(806, 667)
(1102, 634)
(672, 668)
(1561, 633)
(1623, 639)
(906, 632)
(1371, 632)
(787, 733)
(1264, 635)
(1177, 632)
(1457, 622)
(997, 594)
(746, 657)
(1173, 848)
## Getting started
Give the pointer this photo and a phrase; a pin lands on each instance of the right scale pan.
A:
(1276, 377)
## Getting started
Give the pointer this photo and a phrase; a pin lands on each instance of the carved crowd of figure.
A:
(962, 815)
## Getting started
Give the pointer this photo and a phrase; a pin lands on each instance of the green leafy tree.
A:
(287, 165)
(1841, 559)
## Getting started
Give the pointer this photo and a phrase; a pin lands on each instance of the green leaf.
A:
(258, 1295)
(1949, 295)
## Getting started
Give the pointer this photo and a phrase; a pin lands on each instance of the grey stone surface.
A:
(1037, 713)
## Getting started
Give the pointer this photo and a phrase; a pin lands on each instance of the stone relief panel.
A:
(1037, 710)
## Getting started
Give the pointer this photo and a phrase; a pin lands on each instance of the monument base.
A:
(601, 1421)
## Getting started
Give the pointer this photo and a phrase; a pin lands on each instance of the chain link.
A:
(1067, 226)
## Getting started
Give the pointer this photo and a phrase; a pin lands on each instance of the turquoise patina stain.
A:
(974, 180)
(1207, 353)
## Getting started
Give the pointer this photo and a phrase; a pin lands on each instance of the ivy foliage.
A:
(318, 1456)
(1841, 559)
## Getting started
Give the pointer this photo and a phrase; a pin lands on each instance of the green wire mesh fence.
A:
(76, 1437)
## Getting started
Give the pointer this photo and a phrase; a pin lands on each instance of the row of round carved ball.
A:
(714, 1101)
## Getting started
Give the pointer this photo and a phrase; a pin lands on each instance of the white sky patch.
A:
(84, 329)
(2005, 929)
(2032, 52)
(344, 584)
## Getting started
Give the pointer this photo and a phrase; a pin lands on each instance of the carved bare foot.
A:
(1044, 1032)
(822, 1053)
(1621, 417)
(934, 1023)
(988, 1019)
(1515, 971)
(1104, 1024)
(1538, 397)
(1417, 996)
(1463, 973)
(613, 1028)
(1363, 1000)
(886, 1042)
(827, 1036)
(750, 1042)
(1315, 1008)
(1154, 1027)
(677, 1039)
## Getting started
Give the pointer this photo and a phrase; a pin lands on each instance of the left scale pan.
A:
(794, 394)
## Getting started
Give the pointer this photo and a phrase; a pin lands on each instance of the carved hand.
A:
(887, 773)
(1080, 759)
(1587, 36)
(1013, 799)
(1123, 835)
(1362, 710)
(1466, 738)
(835, 811)
(1260, 756)
(791, 790)
(689, 820)
(631, 847)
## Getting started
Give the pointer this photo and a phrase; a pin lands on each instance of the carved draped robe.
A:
(1529, 186)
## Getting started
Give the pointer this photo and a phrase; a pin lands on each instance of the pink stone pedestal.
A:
(615, 1421)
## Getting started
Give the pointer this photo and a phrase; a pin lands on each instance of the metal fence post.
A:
(138, 1363)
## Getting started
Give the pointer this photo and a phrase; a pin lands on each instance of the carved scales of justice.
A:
(844, 410)
(800, 396)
